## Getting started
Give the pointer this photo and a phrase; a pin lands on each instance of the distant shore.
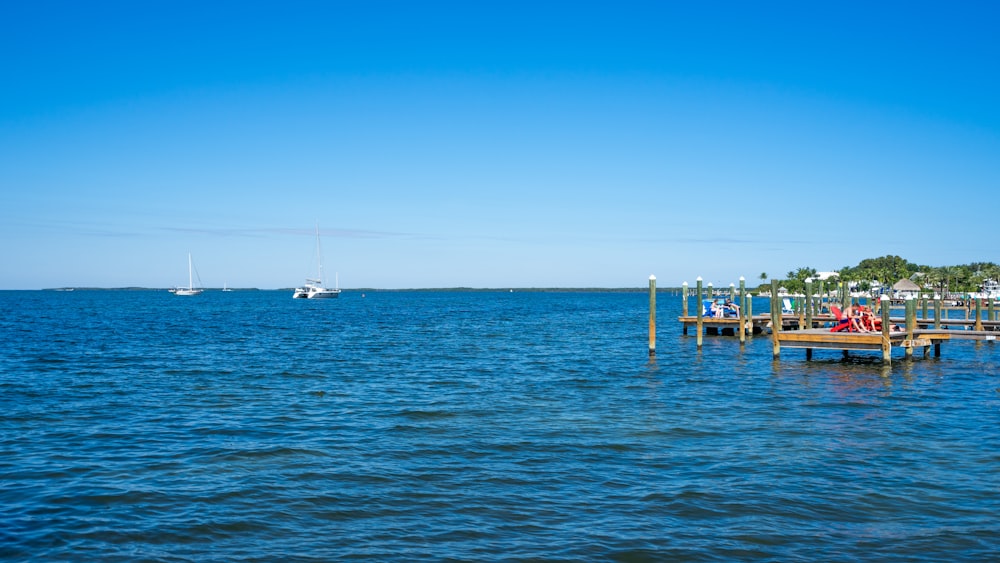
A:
(383, 290)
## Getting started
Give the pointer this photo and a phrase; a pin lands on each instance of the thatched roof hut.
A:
(906, 286)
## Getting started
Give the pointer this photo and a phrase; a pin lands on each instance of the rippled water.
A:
(404, 426)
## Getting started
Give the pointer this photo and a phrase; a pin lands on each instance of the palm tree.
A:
(948, 272)
(931, 278)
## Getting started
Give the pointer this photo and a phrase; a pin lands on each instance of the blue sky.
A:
(492, 144)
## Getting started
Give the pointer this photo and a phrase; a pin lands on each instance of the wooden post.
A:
(710, 297)
(652, 315)
(822, 295)
(775, 318)
(886, 343)
(684, 299)
(911, 323)
(809, 303)
(989, 309)
(750, 313)
(743, 311)
(937, 313)
(732, 292)
(923, 308)
(701, 314)
(979, 315)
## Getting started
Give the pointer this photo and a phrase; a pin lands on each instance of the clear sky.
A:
(492, 144)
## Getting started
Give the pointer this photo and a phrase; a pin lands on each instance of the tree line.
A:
(887, 270)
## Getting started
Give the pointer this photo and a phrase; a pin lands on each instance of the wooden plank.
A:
(820, 338)
(822, 334)
(832, 345)
(937, 333)
(942, 334)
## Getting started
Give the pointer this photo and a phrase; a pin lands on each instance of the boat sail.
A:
(190, 289)
(313, 288)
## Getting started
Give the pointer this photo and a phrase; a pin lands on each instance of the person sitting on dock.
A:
(861, 318)
(732, 308)
(718, 310)
(871, 323)
(853, 316)
(708, 307)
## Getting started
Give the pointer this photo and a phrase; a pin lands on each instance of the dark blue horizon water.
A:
(475, 426)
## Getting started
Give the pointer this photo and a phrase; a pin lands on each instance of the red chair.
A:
(844, 323)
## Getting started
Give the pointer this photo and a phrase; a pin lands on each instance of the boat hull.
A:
(315, 293)
(181, 291)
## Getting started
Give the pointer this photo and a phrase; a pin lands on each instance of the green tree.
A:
(949, 273)
(932, 279)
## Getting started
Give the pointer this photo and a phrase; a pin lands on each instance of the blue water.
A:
(409, 426)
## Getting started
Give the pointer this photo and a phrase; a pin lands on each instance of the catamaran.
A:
(190, 289)
(313, 288)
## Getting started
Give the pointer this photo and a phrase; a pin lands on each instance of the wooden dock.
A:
(761, 324)
(809, 329)
(822, 338)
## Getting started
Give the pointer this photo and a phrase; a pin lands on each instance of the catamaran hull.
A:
(313, 293)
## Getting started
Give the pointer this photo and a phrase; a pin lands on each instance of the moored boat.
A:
(314, 288)
(190, 289)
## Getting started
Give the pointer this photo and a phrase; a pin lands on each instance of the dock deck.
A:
(757, 324)
(865, 341)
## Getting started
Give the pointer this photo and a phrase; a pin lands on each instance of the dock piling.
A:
(700, 308)
(809, 303)
(911, 324)
(822, 295)
(652, 315)
(886, 329)
(775, 318)
(743, 310)
(684, 299)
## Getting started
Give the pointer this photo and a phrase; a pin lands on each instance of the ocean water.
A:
(474, 426)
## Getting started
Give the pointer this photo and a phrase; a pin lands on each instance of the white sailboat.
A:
(313, 289)
(190, 289)
(225, 287)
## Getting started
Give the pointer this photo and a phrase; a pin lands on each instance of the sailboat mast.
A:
(319, 256)
(190, 279)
